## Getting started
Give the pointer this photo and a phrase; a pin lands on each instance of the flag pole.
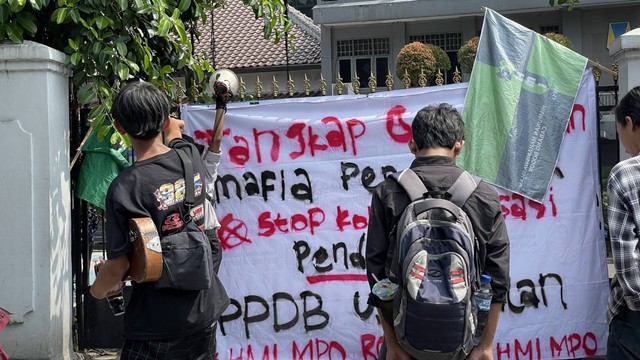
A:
(79, 150)
(602, 68)
(591, 62)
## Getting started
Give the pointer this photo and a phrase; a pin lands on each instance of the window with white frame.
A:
(363, 57)
(550, 29)
(447, 41)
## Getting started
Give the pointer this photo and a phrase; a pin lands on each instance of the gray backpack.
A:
(436, 269)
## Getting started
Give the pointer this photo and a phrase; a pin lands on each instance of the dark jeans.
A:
(624, 336)
(198, 346)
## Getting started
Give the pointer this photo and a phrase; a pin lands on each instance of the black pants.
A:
(624, 336)
(197, 346)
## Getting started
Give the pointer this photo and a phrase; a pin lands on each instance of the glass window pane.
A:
(363, 69)
(345, 70)
(382, 69)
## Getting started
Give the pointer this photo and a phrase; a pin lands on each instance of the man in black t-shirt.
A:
(158, 323)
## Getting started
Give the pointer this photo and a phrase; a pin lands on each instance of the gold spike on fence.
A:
(339, 85)
(242, 89)
(372, 83)
(274, 87)
(323, 85)
(439, 78)
(194, 91)
(290, 86)
(422, 78)
(306, 85)
(457, 77)
(596, 73)
(356, 84)
(179, 93)
(406, 80)
(258, 88)
(389, 81)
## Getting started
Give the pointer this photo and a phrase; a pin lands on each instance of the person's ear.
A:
(412, 146)
(457, 147)
(628, 121)
(166, 124)
(119, 127)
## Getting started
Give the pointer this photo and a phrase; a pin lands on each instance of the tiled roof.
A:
(239, 41)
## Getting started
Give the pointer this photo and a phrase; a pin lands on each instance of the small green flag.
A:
(102, 163)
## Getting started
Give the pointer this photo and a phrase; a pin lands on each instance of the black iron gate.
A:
(608, 142)
(94, 324)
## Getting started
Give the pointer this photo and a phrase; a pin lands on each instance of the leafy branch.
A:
(109, 42)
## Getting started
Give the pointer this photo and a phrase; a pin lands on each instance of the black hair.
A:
(141, 109)
(629, 106)
(437, 126)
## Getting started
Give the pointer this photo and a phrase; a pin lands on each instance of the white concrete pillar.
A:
(625, 51)
(327, 64)
(35, 215)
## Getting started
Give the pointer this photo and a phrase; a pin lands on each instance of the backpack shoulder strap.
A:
(462, 188)
(187, 166)
(411, 183)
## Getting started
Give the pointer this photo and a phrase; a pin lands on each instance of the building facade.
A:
(365, 36)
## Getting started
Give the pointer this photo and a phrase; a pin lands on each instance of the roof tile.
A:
(239, 40)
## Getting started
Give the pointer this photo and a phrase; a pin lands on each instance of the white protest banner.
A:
(294, 188)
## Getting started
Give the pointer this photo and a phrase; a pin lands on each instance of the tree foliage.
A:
(111, 41)
(415, 58)
(568, 3)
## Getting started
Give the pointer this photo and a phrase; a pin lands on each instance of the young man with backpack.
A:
(436, 250)
(165, 184)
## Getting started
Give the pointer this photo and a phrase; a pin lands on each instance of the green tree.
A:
(110, 41)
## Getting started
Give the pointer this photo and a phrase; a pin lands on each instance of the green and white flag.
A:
(520, 98)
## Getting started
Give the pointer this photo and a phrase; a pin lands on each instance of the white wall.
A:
(35, 216)
(626, 51)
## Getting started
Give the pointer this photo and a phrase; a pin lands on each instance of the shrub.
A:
(467, 54)
(442, 59)
(560, 39)
(414, 58)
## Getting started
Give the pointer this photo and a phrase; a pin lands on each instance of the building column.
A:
(326, 57)
(35, 259)
(572, 28)
(625, 50)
